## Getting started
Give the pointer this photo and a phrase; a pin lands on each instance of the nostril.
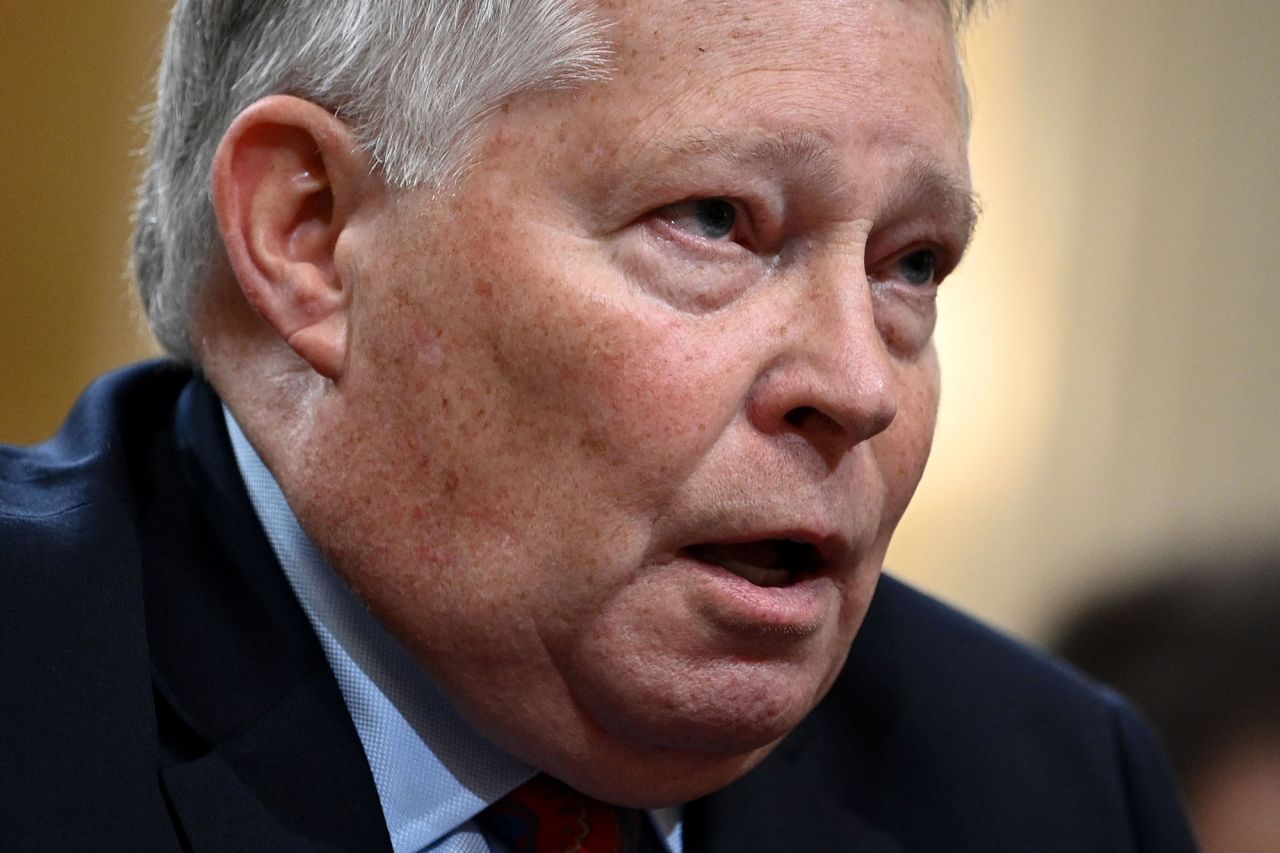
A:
(800, 416)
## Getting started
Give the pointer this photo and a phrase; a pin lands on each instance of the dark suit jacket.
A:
(161, 689)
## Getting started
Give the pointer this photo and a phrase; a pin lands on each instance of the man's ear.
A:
(287, 178)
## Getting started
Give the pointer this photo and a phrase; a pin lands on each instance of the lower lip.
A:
(734, 603)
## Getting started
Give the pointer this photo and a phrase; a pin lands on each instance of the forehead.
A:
(746, 56)
(653, 35)
(822, 88)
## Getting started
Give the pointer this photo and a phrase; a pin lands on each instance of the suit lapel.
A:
(264, 755)
(283, 784)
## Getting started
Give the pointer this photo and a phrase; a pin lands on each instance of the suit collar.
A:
(267, 756)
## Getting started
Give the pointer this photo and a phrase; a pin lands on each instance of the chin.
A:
(727, 725)
(681, 745)
(704, 699)
(658, 749)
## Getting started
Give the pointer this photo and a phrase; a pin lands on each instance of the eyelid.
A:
(744, 229)
(936, 273)
(885, 273)
(947, 259)
(887, 249)
(689, 209)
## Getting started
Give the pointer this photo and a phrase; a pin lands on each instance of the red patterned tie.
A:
(547, 816)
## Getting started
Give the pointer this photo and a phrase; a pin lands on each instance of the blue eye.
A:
(715, 217)
(919, 267)
(708, 218)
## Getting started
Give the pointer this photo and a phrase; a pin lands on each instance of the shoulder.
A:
(968, 695)
(76, 712)
(911, 642)
(55, 478)
(68, 506)
(69, 509)
(942, 734)
(949, 720)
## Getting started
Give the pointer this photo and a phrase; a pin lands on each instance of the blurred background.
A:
(1110, 348)
(74, 77)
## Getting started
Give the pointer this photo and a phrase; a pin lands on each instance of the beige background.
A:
(1110, 348)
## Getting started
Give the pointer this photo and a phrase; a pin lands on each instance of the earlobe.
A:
(286, 179)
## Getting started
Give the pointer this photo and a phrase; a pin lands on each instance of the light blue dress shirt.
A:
(433, 772)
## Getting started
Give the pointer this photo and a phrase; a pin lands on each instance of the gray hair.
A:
(414, 79)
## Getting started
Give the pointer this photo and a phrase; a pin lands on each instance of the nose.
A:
(833, 382)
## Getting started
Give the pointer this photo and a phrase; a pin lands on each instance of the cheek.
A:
(619, 382)
(903, 450)
(538, 406)
(905, 318)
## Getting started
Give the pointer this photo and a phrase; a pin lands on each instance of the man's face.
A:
(630, 416)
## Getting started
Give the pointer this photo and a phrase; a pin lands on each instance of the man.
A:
(587, 346)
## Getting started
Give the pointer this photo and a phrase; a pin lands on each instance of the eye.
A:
(709, 218)
(919, 267)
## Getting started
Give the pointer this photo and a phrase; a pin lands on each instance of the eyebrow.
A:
(810, 156)
(925, 185)
(801, 151)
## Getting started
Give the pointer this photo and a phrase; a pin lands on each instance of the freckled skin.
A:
(542, 406)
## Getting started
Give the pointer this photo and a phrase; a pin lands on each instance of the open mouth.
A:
(763, 562)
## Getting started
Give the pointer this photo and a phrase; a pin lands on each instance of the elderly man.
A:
(561, 371)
